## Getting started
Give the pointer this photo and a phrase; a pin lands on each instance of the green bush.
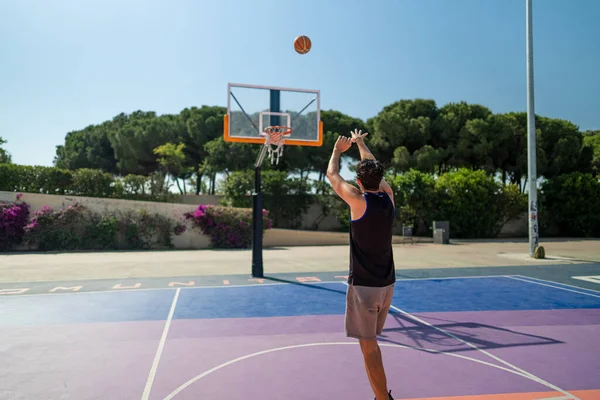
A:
(475, 204)
(34, 179)
(571, 203)
(332, 204)
(415, 199)
(285, 198)
(81, 182)
(514, 202)
(142, 230)
(92, 183)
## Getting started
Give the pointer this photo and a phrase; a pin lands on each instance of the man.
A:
(372, 273)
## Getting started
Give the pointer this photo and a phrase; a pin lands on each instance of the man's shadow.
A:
(452, 336)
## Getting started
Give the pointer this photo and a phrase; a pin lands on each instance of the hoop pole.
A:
(257, 196)
(257, 224)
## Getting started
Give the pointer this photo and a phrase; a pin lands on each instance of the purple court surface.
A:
(501, 337)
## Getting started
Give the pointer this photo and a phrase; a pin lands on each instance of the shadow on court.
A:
(412, 333)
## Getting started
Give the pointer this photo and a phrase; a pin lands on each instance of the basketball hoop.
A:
(276, 135)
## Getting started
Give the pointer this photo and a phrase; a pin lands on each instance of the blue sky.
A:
(67, 64)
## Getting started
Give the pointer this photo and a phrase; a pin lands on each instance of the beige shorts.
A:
(366, 310)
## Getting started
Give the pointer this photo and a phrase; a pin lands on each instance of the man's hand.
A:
(343, 143)
(357, 135)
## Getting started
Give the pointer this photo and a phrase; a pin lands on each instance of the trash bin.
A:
(441, 232)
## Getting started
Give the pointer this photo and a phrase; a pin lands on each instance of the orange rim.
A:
(278, 130)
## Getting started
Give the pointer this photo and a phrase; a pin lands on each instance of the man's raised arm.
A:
(346, 191)
(365, 154)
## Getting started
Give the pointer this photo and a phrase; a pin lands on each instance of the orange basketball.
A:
(302, 44)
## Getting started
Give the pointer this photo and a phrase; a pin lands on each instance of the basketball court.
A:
(472, 337)
(459, 335)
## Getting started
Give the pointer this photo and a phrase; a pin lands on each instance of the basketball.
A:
(302, 44)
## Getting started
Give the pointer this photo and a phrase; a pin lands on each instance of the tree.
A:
(137, 137)
(508, 147)
(5, 157)
(401, 160)
(591, 142)
(87, 148)
(425, 159)
(406, 123)
(202, 125)
(459, 143)
(561, 142)
(172, 159)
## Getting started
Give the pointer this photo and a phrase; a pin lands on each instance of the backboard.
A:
(251, 109)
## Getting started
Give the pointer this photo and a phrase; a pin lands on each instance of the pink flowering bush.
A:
(78, 228)
(65, 229)
(13, 218)
(228, 228)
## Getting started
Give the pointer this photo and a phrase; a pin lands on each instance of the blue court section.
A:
(262, 301)
(143, 305)
(269, 300)
(485, 294)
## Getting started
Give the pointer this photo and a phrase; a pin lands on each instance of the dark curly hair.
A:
(370, 174)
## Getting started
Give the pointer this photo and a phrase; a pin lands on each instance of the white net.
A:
(275, 140)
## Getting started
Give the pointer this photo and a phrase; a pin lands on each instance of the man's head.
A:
(369, 174)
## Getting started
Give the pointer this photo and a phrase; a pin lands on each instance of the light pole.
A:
(531, 142)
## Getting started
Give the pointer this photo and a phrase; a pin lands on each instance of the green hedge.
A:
(570, 205)
(286, 198)
(81, 182)
(476, 205)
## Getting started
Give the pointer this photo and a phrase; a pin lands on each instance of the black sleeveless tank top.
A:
(371, 255)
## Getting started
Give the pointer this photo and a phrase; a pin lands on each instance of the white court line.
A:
(260, 284)
(557, 283)
(474, 347)
(552, 286)
(14, 296)
(393, 345)
(161, 346)
(450, 277)
(9, 296)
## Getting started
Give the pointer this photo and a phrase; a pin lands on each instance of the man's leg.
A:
(374, 366)
(363, 306)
